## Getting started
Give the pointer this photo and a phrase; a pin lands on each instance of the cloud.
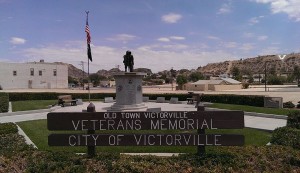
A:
(248, 35)
(225, 9)
(168, 39)
(163, 39)
(247, 47)
(17, 40)
(270, 51)
(262, 37)
(154, 57)
(171, 18)
(177, 38)
(122, 37)
(290, 7)
(230, 44)
(255, 20)
(213, 37)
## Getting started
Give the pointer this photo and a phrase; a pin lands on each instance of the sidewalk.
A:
(262, 121)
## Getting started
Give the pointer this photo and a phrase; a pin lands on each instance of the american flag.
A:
(88, 40)
(88, 36)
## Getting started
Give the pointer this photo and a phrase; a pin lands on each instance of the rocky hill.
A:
(254, 65)
(78, 73)
(75, 72)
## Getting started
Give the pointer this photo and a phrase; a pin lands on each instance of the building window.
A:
(31, 72)
(40, 72)
(15, 73)
(54, 72)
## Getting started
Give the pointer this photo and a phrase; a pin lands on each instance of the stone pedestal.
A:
(129, 94)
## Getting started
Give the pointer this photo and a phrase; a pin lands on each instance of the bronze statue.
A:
(128, 61)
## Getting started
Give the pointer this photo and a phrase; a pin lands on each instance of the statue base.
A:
(129, 94)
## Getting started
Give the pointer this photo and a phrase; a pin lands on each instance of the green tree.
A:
(276, 80)
(102, 77)
(181, 80)
(195, 76)
(251, 79)
(290, 78)
(236, 73)
(296, 74)
(95, 79)
(72, 80)
(272, 71)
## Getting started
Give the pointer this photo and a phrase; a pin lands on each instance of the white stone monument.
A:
(129, 93)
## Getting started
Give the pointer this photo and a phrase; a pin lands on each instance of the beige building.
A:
(33, 75)
(213, 85)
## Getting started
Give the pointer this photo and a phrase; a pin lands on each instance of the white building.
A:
(33, 75)
(219, 84)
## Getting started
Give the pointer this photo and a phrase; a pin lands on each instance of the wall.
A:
(24, 80)
(195, 87)
(227, 87)
(211, 87)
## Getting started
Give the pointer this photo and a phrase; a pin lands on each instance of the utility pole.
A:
(172, 77)
(266, 76)
(82, 66)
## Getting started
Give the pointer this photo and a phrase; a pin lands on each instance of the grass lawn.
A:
(36, 104)
(31, 105)
(38, 133)
(245, 108)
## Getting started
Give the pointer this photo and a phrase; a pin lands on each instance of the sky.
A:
(161, 34)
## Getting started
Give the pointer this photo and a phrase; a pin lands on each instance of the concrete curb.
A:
(27, 112)
(9, 107)
(27, 139)
(255, 114)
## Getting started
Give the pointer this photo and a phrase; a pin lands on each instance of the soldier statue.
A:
(128, 61)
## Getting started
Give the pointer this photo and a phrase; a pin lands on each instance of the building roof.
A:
(216, 82)
(202, 82)
(231, 81)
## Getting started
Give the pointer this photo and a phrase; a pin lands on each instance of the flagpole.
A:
(87, 19)
(89, 80)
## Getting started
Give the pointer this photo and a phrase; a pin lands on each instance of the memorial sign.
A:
(171, 120)
(175, 120)
(145, 140)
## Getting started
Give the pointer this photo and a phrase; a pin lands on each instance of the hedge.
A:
(288, 104)
(4, 102)
(250, 100)
(8, 128)
(293, 120)
(17, 156)
(286, 136)
(224, 98)
(53, 96)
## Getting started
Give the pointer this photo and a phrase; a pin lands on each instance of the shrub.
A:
(8, 128)
(10, 141)
(276, 80)
(288, 104)
(298, 105)
(293, 120)
(286, 136)
(53, 96)
(224, 98)
(4, 102)
(235, 99)
(245, 85)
